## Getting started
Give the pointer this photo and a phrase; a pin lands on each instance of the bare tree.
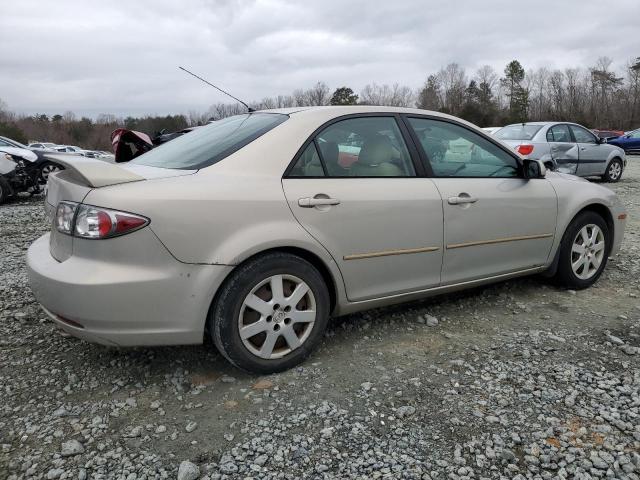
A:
(454, 81)
(395, 95)
(319, 94)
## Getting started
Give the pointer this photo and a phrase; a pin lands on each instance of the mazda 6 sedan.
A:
(256, 229)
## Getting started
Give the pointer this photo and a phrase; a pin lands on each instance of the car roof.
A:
(322, 114)
(546, 123)
(340, 110)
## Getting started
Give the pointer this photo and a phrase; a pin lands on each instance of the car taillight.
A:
(65, 213)
(525, 149)
(88, 221)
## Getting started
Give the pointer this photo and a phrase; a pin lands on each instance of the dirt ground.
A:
(516, 380)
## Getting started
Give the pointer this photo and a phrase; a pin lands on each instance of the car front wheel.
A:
(584, 251)
(270, 314)
(614, 171)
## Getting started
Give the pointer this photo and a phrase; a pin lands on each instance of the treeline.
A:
(84, 132)
(596, 96)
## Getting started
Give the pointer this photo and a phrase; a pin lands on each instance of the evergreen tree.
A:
(344, 96)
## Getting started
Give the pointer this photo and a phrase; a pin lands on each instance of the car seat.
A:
(330, 155)
(375, 159)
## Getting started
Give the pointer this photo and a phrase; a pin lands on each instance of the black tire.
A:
(565, 275)
(5, 190)
(611, 175)
(223, 318)
(45, 169)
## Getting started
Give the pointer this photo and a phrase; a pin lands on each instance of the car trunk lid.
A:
(79, 177)
(514, 143)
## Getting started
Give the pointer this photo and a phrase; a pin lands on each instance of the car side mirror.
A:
(533, 168)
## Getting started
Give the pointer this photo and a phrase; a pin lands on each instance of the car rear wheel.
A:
(47, 169)
(270, 314)
(584, 251)
(614, 171)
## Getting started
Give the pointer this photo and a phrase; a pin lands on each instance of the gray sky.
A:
(121, 57)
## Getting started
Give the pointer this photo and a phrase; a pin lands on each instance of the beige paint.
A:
(155, 286)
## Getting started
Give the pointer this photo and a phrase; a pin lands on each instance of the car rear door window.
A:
(308, 164)
(559, 133)
(581, 135)
(357, 147)
(455, 151)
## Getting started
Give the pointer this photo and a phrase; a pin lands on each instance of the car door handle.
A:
(308, 202)
(461, 200)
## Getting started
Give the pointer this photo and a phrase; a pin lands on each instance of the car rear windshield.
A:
(517, 132)
(209, 144)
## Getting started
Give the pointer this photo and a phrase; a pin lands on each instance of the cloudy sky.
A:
(121, 57)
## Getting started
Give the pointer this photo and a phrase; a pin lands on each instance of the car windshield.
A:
(517, 132)
(207, 145)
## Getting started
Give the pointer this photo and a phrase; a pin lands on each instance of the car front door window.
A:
(455, 151)
(582, 136)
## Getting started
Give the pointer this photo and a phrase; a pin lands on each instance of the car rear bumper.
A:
(156, 301)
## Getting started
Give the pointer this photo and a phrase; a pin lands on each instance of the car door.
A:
(495, 221)
(563, 148)
(631, 142)
(592, 155)
(357, 189)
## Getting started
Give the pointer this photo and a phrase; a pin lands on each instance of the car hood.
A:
(514, 143)
(566, 176)
(20, 152)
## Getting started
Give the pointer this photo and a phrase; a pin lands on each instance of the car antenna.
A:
(251, 110)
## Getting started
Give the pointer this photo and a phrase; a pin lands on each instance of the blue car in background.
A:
(629, 142)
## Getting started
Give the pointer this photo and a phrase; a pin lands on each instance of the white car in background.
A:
(491, 130)
(71, 149)
(43, 146)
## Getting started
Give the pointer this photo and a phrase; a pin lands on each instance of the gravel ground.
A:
(518, 380)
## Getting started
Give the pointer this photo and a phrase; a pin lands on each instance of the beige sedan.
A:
(255, 229)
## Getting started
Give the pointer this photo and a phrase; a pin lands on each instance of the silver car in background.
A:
(567, 148)
(253, 230)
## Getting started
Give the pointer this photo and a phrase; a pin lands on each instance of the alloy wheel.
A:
(277, 316)
(47, 170)
(587, 251)
(615, 170)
